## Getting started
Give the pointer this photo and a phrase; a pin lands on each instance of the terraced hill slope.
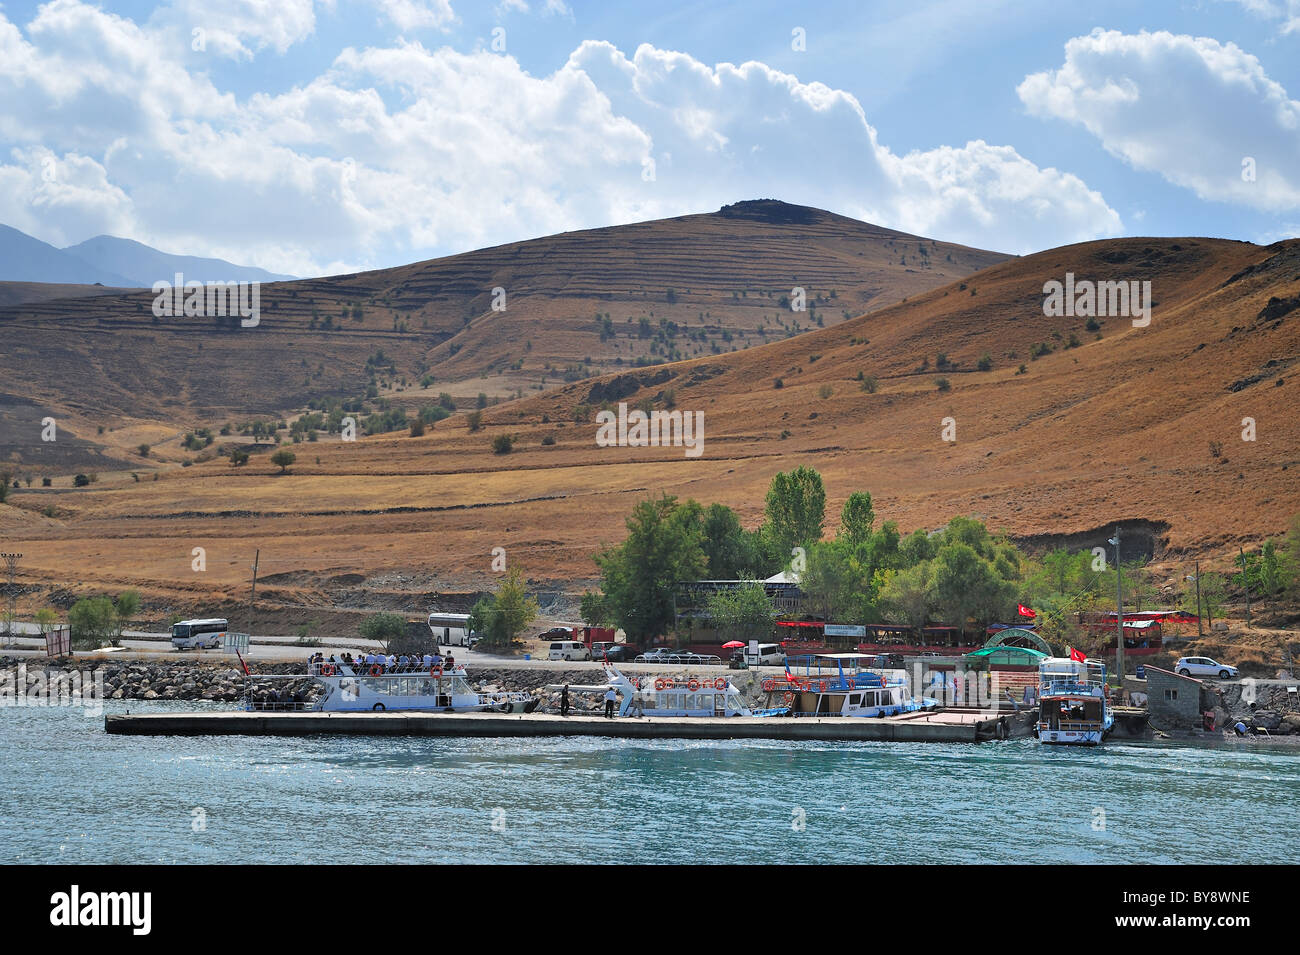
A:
(1109, 423)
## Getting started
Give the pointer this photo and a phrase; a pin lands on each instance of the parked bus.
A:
(197, 634)
(451, 629)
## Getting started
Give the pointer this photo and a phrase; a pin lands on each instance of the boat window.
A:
(855, 699)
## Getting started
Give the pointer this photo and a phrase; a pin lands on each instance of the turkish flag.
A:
(1025, 611)
(1078, 655)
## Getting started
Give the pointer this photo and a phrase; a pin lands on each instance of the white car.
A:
(1204, 666)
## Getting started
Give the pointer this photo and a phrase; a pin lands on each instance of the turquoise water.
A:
(74, 794)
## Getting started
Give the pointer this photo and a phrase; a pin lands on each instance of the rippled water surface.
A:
(72, 793)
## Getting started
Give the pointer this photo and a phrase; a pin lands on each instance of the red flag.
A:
(1025, 611)
(1078, 655)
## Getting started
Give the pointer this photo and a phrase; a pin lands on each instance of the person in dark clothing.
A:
(564, 701)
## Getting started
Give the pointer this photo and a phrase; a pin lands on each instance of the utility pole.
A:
(1245, 581)
(252, 597)
(1199, 631)
(1119, 611)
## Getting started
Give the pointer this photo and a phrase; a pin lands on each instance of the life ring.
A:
(693, 684)
(823, 686)
(376, 670)
(852, 685)
(378, 708)
(719, 684)
(659, 685)
(769, 685)
(435, 671)
(326, 669)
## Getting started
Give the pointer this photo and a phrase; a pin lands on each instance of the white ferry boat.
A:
(674, 695)
(837, 684)
(1074, 708)
(377, 688)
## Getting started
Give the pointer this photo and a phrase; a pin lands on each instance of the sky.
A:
(315, 138)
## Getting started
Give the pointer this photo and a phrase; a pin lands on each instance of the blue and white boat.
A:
(841, 684)
(1074, 706)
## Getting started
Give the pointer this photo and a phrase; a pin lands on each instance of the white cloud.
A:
(1189, 108)
(398, 152)
(418, 14)
(1286, 11)
(223, 26)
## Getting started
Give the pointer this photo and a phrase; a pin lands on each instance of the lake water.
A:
(74, 794)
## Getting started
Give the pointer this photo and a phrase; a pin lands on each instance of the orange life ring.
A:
(659, 685)
(851, 683)
(376, 670)
(693, 684)
(326, 670)
(435, 671)
(823, 686)
(719, 684)
(769, 685)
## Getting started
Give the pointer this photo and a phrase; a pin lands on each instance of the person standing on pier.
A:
(564, 701)
(610, 697)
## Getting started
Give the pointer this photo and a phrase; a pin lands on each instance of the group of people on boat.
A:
(378, 663)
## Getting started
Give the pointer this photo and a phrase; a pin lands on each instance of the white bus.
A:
(451, 629)
(192, 634)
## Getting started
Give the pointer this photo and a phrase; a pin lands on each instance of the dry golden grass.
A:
(1114, 429)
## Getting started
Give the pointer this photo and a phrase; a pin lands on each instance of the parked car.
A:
(568, 650)
(1204, 666)
(609, 650)
(556, 633)
(657, 655)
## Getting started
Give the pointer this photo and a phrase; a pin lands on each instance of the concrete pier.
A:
(917, 728)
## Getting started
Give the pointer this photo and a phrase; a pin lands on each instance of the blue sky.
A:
(319, 137)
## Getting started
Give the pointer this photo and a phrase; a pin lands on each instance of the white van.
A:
(767, 655)
(197, 634)
(569, 650)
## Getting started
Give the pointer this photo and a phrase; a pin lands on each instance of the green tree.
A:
(499, 618)
(856, 518)
(125, 609)
(46, 619)
(727, 553)
(384, 628)
(795, 509)
(639, 577)
(283, 458)
(595, 610)
(744, 613)
(92, 621)
(907, 595)
(966, 585)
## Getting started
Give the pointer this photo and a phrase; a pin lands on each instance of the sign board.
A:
(844, 630)
(58, 641)
(235, 641)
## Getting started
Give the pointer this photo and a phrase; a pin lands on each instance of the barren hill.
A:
(1109, 423)
(699, 284)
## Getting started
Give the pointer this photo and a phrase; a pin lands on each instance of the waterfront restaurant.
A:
(815, 636)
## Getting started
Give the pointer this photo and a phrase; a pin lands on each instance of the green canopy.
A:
(1010, 656)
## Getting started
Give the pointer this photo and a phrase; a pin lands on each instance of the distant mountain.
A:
(146, 265)
(25, 259)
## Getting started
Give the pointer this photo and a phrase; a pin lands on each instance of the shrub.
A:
(778, 383)
(238, 457)
(283, 458)
(143, 450)
(80, 480)
(869, 384)
(417, 428)
(475, 420)
(503, 444)
(825, 391)
(548, 440)
(943, 384)
(985, 363)
(46, 482)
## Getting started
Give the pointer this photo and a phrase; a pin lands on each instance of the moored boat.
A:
(379, 688)
(1074, 708)
(840, 684)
